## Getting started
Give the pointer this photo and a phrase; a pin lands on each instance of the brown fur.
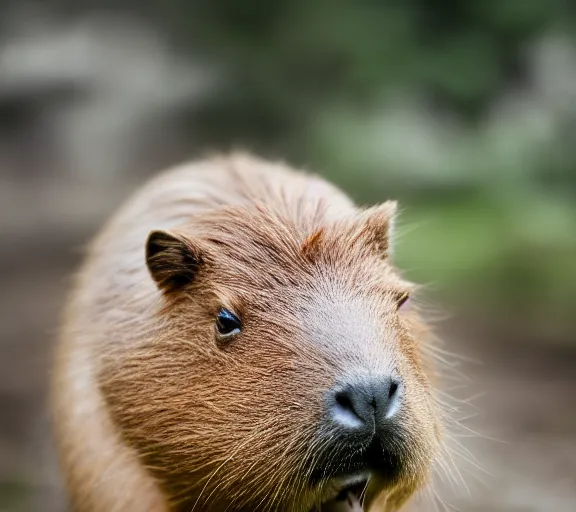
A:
(153, 414)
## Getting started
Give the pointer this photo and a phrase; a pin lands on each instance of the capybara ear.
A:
(377, 226)
(173, 260)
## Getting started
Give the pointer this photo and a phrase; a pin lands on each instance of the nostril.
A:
(344, 410)
(343, 400)
(393, 390)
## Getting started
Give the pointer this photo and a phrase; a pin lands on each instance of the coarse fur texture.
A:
(153, 412)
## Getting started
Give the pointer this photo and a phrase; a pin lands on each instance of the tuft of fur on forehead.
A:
(294, 237)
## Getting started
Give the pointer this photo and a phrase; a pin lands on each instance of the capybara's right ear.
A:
(173, 260)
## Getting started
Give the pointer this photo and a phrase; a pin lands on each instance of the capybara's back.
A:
(238, 339)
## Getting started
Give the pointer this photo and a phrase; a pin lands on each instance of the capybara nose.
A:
(364, 404)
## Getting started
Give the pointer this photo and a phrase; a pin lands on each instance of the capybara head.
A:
(281, 367)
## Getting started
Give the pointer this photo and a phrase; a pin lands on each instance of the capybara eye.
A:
(227, 323)
(402, 299)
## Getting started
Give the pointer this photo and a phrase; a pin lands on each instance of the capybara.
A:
(239, 339)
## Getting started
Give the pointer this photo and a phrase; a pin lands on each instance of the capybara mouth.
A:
(349, 459)
(348, 499)
(351, 472)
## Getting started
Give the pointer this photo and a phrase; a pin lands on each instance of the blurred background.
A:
(463, 110)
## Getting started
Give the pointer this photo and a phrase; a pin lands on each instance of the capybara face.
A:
(282, 368)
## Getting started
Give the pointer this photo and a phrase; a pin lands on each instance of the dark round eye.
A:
(402, 299)
(227, 324)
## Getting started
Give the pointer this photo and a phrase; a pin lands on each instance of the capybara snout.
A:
(364, 404)
(249, 347)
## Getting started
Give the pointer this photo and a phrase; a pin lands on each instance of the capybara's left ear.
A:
(172, 259)
(376, 226)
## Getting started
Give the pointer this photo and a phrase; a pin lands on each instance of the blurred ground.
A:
(523, 427)
(465, 112)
